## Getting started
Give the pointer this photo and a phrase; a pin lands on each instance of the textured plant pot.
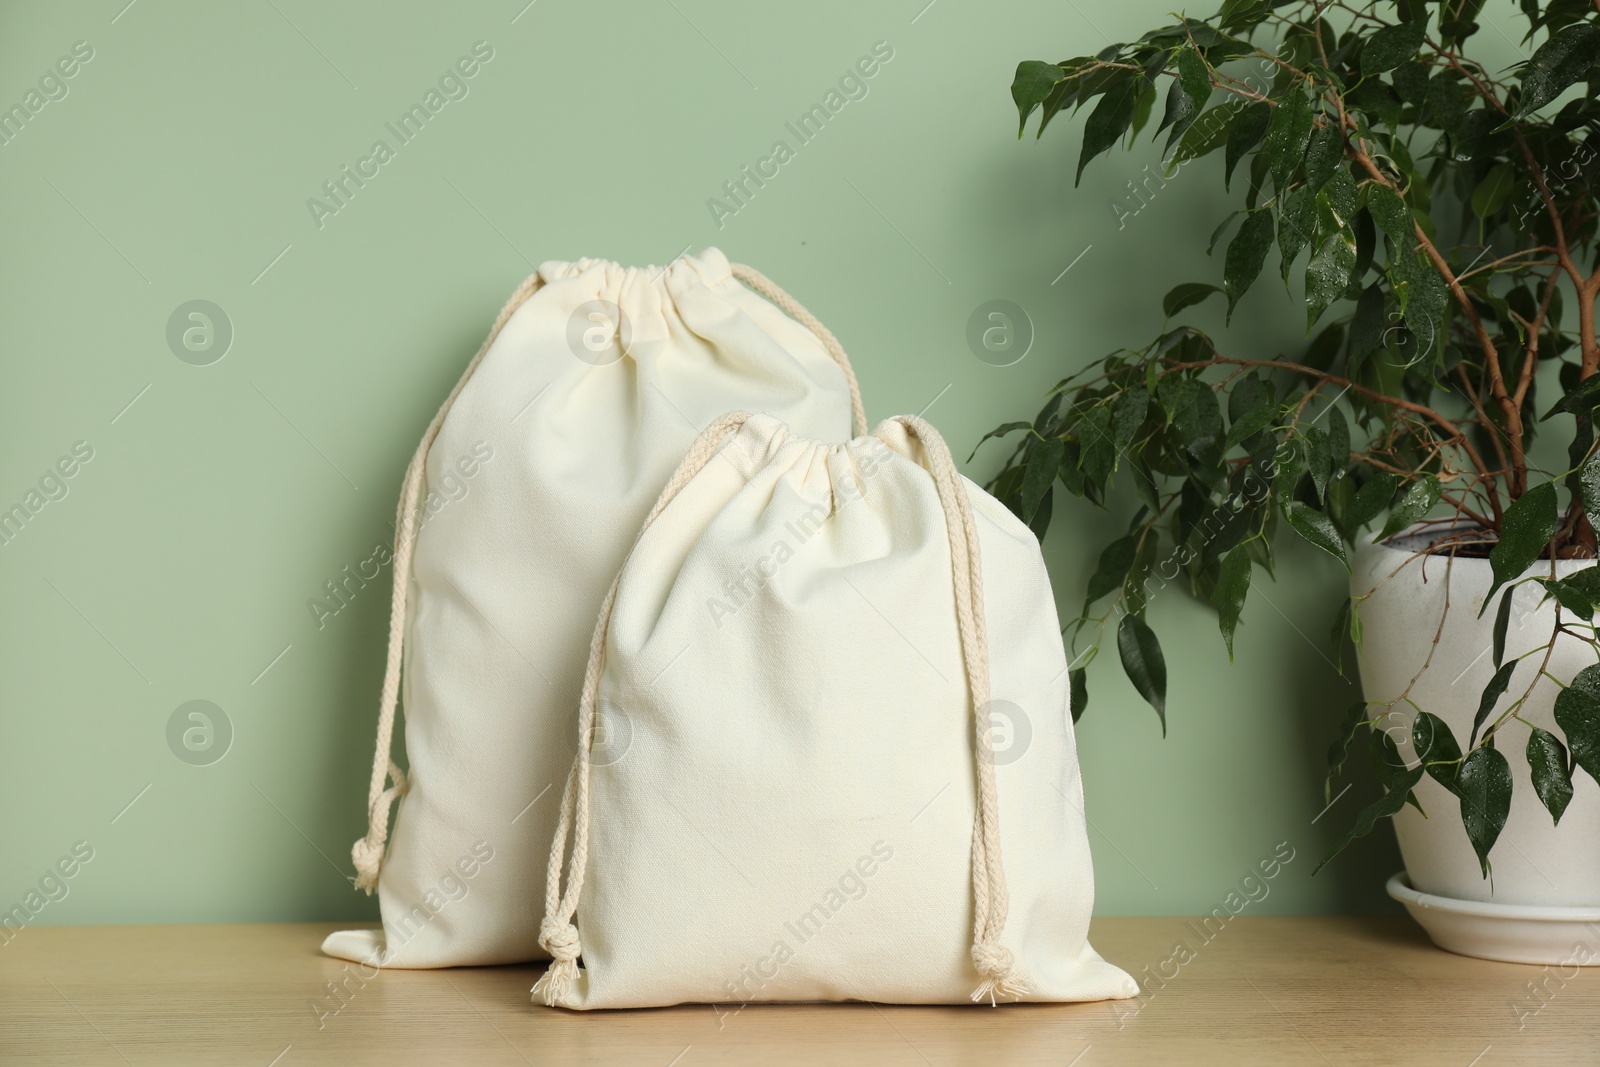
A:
(1534, 862)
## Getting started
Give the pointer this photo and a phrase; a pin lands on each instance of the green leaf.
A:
(1323, 153)
(1044, 459)
(1287, 136)
(1246, 132)
(1222, 228)
(1426, 302)
(1190, 91)
(1387, 763)
(1392, 215)
(1371, 499)
(1491, 695)
(1144, 483)
(1341, 627)
(1589, 488)
(1552, 780)
(1383, 808)
(1354, 716)
(1246, 253)
(1502, 622)
(1338, 441)
(1556, 65)
(1033, 83)
(1578, 715)
(1366, 243)
(1436, 748)
(1109, 120)
(1233, 582)
(1328, 275)
(1392, 46)
(1296, 222)
(1191, 408)
(1586, 581)
(1185, 295)
(1495, 189)
(1570, 597)
(1317, 528)
(1208, 133)
(1341, 198)
(1070, 476)
(1144, 664)
(1411, 81)
(1579, 400)
(1041, 518)
(998, 431)
(1250, 410)
(1080, 691)
(1115, 562)
(1319, 460)
(1366, 326)
(1246, 11)
(1127, 415)
(1484, 786)
(1099, 452)
(1525, 530)
(1416, 503)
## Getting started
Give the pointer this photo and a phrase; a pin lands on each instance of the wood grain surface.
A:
(1263, 990)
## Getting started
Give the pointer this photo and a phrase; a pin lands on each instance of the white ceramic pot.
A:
(1534, 863)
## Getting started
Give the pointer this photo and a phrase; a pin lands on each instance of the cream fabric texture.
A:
(783, 789)
(570, 440)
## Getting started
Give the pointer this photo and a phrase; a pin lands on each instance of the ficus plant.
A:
(1434, 213)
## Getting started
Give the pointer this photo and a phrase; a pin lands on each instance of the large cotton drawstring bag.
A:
(799, 677)
(517, 510)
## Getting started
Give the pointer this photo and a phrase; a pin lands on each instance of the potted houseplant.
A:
(1436, 216)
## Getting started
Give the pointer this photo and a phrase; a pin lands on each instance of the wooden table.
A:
(1265, 990)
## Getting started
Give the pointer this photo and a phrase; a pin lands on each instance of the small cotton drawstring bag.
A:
(797, 681)
(518, 507)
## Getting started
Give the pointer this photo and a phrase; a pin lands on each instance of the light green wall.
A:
(180, 563)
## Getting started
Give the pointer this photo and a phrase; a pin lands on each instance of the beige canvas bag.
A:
(517, 509)
(788, 786)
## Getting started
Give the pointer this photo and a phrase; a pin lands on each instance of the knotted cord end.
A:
(1000, 976)
(561, 941)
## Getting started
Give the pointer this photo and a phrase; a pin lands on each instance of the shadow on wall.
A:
(1318, 694)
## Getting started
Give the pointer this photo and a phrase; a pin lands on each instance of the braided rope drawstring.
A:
(367, 853)
(994, 962)
(775, 293)
(557, 934)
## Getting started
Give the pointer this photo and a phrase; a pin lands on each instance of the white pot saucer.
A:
(1514, 933)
